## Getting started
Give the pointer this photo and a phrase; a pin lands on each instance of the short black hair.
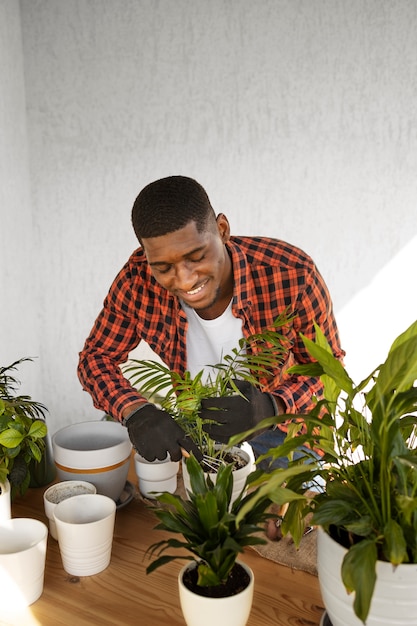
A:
(168, 204)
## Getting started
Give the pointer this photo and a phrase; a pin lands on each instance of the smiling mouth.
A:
(194, 292)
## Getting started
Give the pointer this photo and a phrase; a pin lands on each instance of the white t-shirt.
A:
(208, 341)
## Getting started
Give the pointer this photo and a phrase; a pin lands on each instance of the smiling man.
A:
(191, 291)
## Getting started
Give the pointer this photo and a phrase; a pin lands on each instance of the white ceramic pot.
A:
(201, 611)
(22, 562)
(156, 476)
(97, 452)
(394, 602)
(85, 527)
(5, 508)
(61, 491)
(239, 475)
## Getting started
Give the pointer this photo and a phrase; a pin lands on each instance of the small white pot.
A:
(156, 476)
(61, 491)
(394, 602)
(239, 475)
(5, 508)
(85, 527)
(201, 611)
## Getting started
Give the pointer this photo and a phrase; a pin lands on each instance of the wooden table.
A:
(124, 595)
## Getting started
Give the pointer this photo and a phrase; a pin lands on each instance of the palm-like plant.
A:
(367, 432)
(213, 530)
(256, 360)
(22, 431)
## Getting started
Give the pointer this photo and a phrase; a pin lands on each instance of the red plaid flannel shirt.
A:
(269, 276)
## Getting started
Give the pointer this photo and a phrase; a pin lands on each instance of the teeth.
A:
(194, 291)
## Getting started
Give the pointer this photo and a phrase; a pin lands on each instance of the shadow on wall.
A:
(376, 314)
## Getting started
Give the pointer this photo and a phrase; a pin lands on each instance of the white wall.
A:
(19, 312)
(298, 117)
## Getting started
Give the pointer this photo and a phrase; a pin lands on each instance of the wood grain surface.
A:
(124, 595)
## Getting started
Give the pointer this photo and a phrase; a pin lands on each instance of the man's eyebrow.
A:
(188, 254)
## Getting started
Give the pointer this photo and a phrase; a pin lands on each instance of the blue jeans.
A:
(272, 439)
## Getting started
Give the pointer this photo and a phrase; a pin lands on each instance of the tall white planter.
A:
(201, 611)
(5, 507)
(394, 602)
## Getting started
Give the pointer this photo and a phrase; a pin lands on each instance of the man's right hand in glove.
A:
(154, 433)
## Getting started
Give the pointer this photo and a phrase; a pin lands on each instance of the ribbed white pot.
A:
(201, 611)
(5, 507)
(156, 476)
(394, 602)
(239, 475)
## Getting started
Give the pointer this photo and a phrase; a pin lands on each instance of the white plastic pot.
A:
(394, 602)
(201, 611)
(22, 562)
(156, 476)
(61, 491)
(97, 452)
(239, 475)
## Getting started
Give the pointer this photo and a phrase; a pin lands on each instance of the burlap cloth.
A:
(283, 551)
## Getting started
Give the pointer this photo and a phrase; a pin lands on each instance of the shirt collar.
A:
(242, 290)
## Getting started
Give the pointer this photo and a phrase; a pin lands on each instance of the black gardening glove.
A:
(154, 433)
(235, 414)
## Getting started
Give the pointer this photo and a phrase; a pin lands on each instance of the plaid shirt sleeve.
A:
(312, 305)
(272, 276)
(113, 336)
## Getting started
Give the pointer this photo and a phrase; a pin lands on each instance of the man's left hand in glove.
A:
(235, 414)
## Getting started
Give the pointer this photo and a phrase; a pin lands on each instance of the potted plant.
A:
(212, 539)
(256, 361)
(367, 511)
(22, 433)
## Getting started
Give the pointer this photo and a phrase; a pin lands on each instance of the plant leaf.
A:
(359, 575)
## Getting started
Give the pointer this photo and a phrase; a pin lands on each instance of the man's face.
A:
(194, 266)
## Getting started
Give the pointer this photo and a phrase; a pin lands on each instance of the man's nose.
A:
(185, 277)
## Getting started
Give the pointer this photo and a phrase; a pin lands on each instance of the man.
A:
(191, 291)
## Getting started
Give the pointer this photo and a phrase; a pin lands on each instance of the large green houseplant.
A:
(22, 431)
(367, 432)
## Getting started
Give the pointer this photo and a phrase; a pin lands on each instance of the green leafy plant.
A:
(22, 431)
(256, 360)
(208, 523)
(367, 432)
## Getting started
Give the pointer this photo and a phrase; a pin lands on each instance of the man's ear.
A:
(223, 227)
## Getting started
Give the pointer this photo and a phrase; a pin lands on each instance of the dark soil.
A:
(230, 458)
(238, 581)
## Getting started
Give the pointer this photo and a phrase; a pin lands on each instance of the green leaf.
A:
(395, 548)
(163, 560)
(359, 575)
(197, 479)
(38, 430)
(35, 450)
(331, 366)
(11, 438)
(207, 510)
(206, 576)
(400, 368)
(336, 512)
